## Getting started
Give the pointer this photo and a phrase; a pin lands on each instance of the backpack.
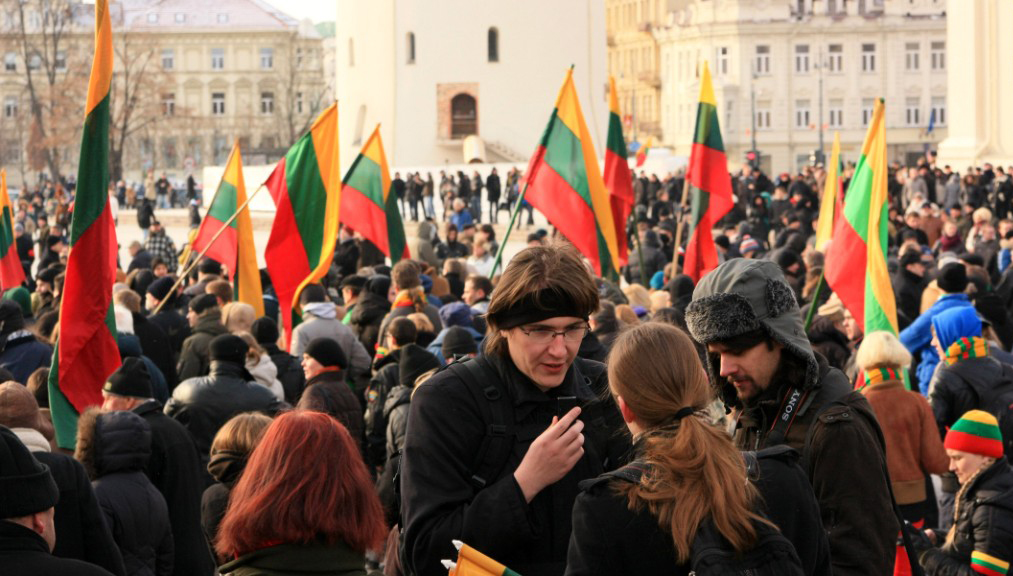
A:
(712, 555)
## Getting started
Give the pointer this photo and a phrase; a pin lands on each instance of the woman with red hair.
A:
(305, 503)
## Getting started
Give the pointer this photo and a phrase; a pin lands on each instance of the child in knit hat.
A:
(981, 538)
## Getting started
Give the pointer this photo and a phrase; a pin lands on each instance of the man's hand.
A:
(551, 455)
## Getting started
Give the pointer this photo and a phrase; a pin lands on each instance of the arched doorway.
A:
(463, 116)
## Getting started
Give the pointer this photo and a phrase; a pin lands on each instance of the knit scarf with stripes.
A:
(967, 347)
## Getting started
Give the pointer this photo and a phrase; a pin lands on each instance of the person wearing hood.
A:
(20, 351)
(290, 373)
(204, 403)
(426, 242)
(370, 310)
(917, 337)
(174, 466)
(27, 526)
(81, 529)
(114, 448)
(324, 364)
(230, 451)
(649, 252)
(454, 314)
(320, 320)
(761, 362)
(260, 366)
(205, 318)
(980, 541)
(23, 297)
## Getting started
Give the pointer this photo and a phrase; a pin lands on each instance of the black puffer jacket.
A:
(961, 387)
(204, 404)
(327, 392)
(290, 373)
(367, 316)
(984, 524)
(194, 358)
(114, 448)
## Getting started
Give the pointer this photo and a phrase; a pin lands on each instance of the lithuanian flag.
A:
(565, 184)
(618, 179)
(831, 196)
(642, 152)
(306, 188)
(369, 205)
(234, 246)
(710, 185)
(86, 353)
(471, 562)
(856, 259)
(12, 274)
(988, 565)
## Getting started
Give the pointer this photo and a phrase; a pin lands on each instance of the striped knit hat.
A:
(977, 432)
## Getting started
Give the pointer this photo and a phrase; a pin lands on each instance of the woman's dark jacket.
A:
(327, 392)
(225, 467)
(298, 560)
(964, 386)
(367, 316)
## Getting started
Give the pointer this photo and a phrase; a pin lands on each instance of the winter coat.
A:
(440, 499)
(367, 317)
(130, 347)
(424, 248)
(914, 448)
(907, 289)
(142, 259)
(225, 467)
(194, 358)
(324, 324)
(653, 259)
(290, 372)
(175, 470)
(298, 560)
(114, 448)
(81, 529)
(175, 327)
(265, 373)
(328, 393)
(961, 387)
(204, 404)
(436, 346)
(452, 249)
(399, 311)
(25, 553)
(984, 525)
(23, 353)
(829, 341)
(156, 346)
(395, 413)
(917, 337)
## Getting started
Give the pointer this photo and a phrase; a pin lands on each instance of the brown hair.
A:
(405, 274)
(128, 299)
(220, 288)
(241, 434)
(697, 471)
(255, 351)
(556, 267)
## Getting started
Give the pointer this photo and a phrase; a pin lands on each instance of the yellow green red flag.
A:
(831, 197)
(368, 203)
(12, 273)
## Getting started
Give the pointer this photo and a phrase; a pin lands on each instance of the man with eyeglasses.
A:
(496, 445)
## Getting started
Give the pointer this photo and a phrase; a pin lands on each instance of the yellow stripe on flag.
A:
(878, 278)
(249, 290)
(5, 200)
(706, 87)
(825, 228)
(102, 67)
(613, 97)
(471, 562)
(374, 151)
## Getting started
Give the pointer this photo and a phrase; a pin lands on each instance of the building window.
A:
(868, 57)
(763, 60)
(351, 53)
(493, 45)
(267, 143)
(34, 61)
(298, 103)
(11, 62)
(60, 61)
(298, 57)
(266, 58)
(10, 107)
(223, 18)
(218, 58)
(153, 18)
(802, 58)
(463, 116)
(411, 47)
(763, 116)
(801, 113)
(168, 58)
(912, 112)
(220, 145)
(938, 56)
(835, 58)
(180, 18)
(911, 50)
(836, 113)
(218, 103)
(169, 104)
(12, 151)
(867, 108)
(267, 103)
(722, 60)
(939, 109)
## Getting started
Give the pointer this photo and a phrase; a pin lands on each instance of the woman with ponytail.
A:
(692, 473)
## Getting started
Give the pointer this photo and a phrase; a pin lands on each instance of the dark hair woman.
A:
(305, 503)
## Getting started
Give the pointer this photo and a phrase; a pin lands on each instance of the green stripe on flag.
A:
(856, 204)
(707, 130)
(307, 196)
(94, 155)
(699, 204)
(365, 176)
(615, 142)
(395, 229)
(564, 154)
(6, 233)
(224, 204)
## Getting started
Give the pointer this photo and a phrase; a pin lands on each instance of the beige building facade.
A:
(788, 73)
(634, 62)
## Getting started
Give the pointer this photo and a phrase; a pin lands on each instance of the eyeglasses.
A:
(543, 335)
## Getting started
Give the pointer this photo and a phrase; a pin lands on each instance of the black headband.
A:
(535, 307)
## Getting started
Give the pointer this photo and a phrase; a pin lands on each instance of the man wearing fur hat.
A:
(761, 361)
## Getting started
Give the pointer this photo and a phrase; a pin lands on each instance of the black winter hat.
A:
(229, 348)
(26, 485)
(209, 266)
(11, 317)
(265, 330)
(414, 362)
(160, 288)
(952, 278)
(130, 379)
(203, 302)
(49, 274)
(458, 340)
(327, 352)
(354, 281)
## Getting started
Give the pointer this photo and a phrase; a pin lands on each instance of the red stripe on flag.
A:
(361, 214)
(620, 186)
(226, 247)
(708, 171)
(845, 268)
(12, 274)
(287, 262)
(701, 254)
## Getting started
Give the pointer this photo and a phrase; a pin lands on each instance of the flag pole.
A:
(510, 228)
(814, 303)
(194, 262)
(676, 268)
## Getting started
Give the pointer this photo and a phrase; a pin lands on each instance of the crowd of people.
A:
(559, 422)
